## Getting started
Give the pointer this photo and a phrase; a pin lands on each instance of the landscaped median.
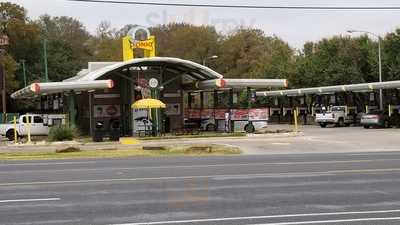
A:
(76, 153)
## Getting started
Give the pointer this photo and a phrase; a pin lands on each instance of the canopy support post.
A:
(71, 108)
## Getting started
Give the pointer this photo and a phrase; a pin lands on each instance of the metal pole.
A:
(24, 71)
(380, 73)
(15, 130)
(3, 93)
(46, 73)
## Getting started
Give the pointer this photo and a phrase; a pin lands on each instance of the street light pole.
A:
(46, 73)
(24, 71)
(379, 58)
(3, 93)
(380, 72)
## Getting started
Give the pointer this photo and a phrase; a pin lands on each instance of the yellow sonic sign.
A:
(129, 44)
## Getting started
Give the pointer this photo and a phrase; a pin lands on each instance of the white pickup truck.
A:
(337, 115)
(39, 125)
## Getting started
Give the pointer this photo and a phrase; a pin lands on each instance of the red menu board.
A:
(259, 114)
(207, 113)
(239, 114)
(194, 113)
(220, 114)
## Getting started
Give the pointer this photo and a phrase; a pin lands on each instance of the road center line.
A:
(270, 217)
(207, 165)
(222, 176)
(333, 221)
(30, 200)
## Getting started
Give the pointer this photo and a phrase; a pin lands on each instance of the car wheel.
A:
(386, 124)
(366, 126)
(322, 125)
(249, 128)
(10, 135)
(210, 127)
(341, 122)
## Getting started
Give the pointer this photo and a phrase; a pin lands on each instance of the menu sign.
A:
(194, 113)
(207, 113)
(220, 114)
(239, 114)
(258, 114)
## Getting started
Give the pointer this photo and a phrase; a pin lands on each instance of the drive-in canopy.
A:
(202, 76)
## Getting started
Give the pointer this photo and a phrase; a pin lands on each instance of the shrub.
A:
(62, 133)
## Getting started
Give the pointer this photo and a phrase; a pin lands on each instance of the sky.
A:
(294, 27)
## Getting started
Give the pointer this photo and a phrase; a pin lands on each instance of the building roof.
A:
(93, 77)
(176, 65)
(334, 89)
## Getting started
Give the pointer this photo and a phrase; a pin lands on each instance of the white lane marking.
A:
(30, 200)
(46, 164)
(226, 176)
(207, 165)
(332, 221)
(385, 153)
(263, 217)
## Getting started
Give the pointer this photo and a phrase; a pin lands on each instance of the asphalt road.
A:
(343, 188)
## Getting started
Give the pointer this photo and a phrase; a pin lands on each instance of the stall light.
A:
(220, 83)
(35, 87)
(110, 83)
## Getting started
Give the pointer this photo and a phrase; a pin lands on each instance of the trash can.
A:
(115, 130)
(98, 134)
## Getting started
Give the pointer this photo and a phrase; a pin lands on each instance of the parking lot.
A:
(314, 139)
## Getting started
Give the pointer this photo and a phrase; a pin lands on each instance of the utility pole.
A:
(46, 72)
(3, 89)
(3, 42)
(24, 71)
(379, 58)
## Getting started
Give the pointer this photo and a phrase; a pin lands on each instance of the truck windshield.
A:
(338, 109)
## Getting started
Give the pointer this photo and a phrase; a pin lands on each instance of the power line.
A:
(243, 6)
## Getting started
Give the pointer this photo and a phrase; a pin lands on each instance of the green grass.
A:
(172, 151)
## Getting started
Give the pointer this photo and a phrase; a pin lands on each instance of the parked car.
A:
(39, 125)
(337, 115)
(375, 118)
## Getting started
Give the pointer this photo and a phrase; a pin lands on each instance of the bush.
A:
(62, 133)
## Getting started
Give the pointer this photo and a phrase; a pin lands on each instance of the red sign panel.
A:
(207, 113)
(239, 114)
(220, 114)
(194, 113)
(259, 114)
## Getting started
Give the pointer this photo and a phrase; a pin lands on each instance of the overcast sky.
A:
(295, 27)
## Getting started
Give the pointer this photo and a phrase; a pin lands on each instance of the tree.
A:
(186, 41)
(67, 44)
(23, 41)
(334, 61)
(107, 44)
(249, 53)
(391, 56)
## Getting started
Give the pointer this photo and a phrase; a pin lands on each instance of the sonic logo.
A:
(146, 45)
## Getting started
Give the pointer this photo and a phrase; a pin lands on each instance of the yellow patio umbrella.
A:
(149, 103)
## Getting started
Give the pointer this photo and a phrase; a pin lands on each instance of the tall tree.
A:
(186, 41)
(67, 45)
